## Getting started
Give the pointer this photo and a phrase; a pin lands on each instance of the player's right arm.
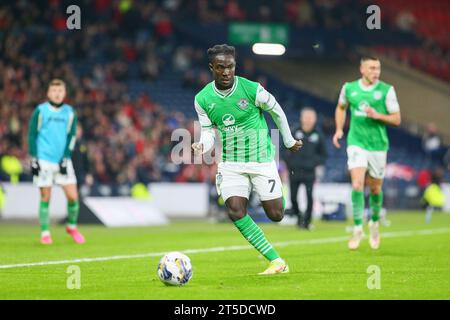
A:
(33, 128)
(339, 117)
(207, 137)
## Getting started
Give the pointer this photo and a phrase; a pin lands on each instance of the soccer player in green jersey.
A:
(235, 105)
(51, 139)
(373, 105)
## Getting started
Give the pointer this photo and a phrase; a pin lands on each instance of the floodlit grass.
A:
(412, 265)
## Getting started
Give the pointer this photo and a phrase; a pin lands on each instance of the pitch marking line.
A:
(397, 234)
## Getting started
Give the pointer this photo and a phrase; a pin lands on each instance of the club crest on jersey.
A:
(377, 95)
(243, 103)
(228, 119)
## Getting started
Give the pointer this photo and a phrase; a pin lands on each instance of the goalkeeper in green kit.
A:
(235, 105)
(373, 105)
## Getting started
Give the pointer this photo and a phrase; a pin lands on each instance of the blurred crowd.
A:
(128, 138)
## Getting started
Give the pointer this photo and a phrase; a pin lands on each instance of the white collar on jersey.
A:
(367, 88)
(227, 92)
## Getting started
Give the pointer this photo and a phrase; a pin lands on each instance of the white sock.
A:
(45, 233)
(358, 228)
(278, 260)
(72, 226)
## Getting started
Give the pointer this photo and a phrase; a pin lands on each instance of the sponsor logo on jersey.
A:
(363, 105)
(56, 119)
(211, 105)
(228, 119)
(361, 111)
(243, 103)
(377, 95)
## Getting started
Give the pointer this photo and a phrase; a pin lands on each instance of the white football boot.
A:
(374, 238)
(355, 240)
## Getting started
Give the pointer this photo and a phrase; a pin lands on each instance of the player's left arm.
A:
(70, 142)
(394, 117)
(267, 102)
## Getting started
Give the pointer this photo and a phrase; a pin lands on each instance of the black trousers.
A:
(305, 218)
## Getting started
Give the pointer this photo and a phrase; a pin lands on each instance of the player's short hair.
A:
(220, 49)
(369, 57)
(56, 82)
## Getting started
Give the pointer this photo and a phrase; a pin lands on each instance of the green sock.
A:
(43, 215)
(73, 208)
(250, 230)
(375, 202)
(358, 207)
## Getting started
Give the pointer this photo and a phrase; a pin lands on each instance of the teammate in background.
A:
(235, 105)
(373, 105)
(51, 139)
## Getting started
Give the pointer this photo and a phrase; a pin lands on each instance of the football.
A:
(175, 269)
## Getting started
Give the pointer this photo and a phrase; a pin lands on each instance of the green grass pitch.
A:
(413, 262)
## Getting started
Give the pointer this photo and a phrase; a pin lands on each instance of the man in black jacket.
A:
(303, 164)
(81, 161)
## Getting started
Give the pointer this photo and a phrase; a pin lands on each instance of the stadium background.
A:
(134, 67)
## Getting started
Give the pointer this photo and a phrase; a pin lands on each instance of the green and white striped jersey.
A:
(238, 116)
(365, 132)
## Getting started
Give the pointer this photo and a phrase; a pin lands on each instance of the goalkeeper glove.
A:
(63, 166)
(35, 167)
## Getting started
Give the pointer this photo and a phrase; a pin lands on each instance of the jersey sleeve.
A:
(392, 105)
(264, 99)
(203, 118)
(71, 135)
(33, 128)
(207, 137)
(267, 102)
(343, 97)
